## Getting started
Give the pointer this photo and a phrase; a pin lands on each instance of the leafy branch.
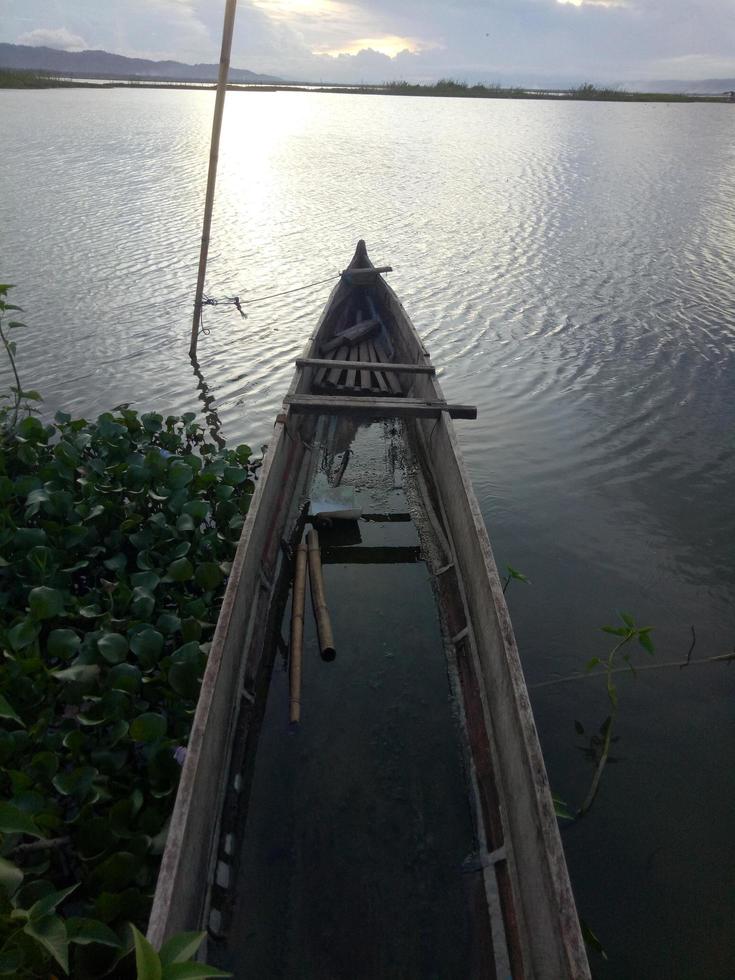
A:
(514, 575)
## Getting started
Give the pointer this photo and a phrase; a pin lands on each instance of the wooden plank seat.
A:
(376, 407)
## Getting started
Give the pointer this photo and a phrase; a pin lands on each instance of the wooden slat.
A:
(363, 374)
(351, 372)
(379, 376)
(318, 362)
(393, 383)
(377, 407)
(336, 373)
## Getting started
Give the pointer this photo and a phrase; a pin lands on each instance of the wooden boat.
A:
(365, 361)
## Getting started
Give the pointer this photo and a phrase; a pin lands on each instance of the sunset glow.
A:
(390, 45)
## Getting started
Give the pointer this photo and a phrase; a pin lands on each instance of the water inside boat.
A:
(350, 842)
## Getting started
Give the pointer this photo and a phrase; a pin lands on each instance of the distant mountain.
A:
(102, 64)
(704, 86)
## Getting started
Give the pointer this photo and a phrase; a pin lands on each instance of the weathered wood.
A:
(297, 635)
(366, 276)
(353, 335)
(336, 373)
(182, 891)
(318, 598)
(368, 407)
(394, 385)
(365, 364)
(228, 29)
(379, 376)
(366, 555)
(542, 908)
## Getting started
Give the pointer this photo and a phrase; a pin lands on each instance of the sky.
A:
(506, 41)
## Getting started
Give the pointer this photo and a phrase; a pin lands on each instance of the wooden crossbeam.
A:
(318, 362)
(364, 277)
(376, 407)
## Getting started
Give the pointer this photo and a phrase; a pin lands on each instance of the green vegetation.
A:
(447, 87)
(116, 537)
(172, 961)
(13, 78)
(444, 88)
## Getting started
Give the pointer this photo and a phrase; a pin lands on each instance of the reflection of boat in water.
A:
(365, 411)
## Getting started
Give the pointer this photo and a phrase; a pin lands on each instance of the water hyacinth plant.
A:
(115, 542)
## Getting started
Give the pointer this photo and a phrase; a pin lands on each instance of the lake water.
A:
(570, 267)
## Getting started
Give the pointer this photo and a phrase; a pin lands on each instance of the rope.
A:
(238, 303)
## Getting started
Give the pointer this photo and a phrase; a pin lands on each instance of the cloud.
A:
(509, 41)
(53, 37)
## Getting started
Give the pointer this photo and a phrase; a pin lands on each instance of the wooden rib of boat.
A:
(366, 361)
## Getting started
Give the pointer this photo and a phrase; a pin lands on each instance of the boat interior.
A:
(406, 828)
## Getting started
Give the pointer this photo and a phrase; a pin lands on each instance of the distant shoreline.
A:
(446, 88)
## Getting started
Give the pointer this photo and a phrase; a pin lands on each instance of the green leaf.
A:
(77, 673)
(592, 663)
(208, 575)
(180, 570)
(62, 643)
(235, 475)
(147, 961)
(184, 679)
(627, 619)
(591, 940)
(147, 646)
(644, 638)
(192, 971)
(7, 711)
(181, 947)
(615, 630)
(168, 623)
(143, 603)
(44, 906)
(151, 423)
(148, 727)
(561, 809)
(113, 647)
(32, 430)
(198, 509)
(184, 523)
(51, 934)
(179, 475)
(76, 783)
(45, 603)
(145, 580)
(86, 931)
(23, 634)
(10, 876)
(124, 677)
(14, 821)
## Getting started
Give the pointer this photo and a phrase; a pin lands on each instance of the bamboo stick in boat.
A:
(297, 634)
(316, 580)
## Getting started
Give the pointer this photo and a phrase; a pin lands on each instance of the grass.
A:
(444, 88)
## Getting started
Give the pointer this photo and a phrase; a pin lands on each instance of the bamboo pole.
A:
(324, 626)
(297, 635)
(219, 107)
